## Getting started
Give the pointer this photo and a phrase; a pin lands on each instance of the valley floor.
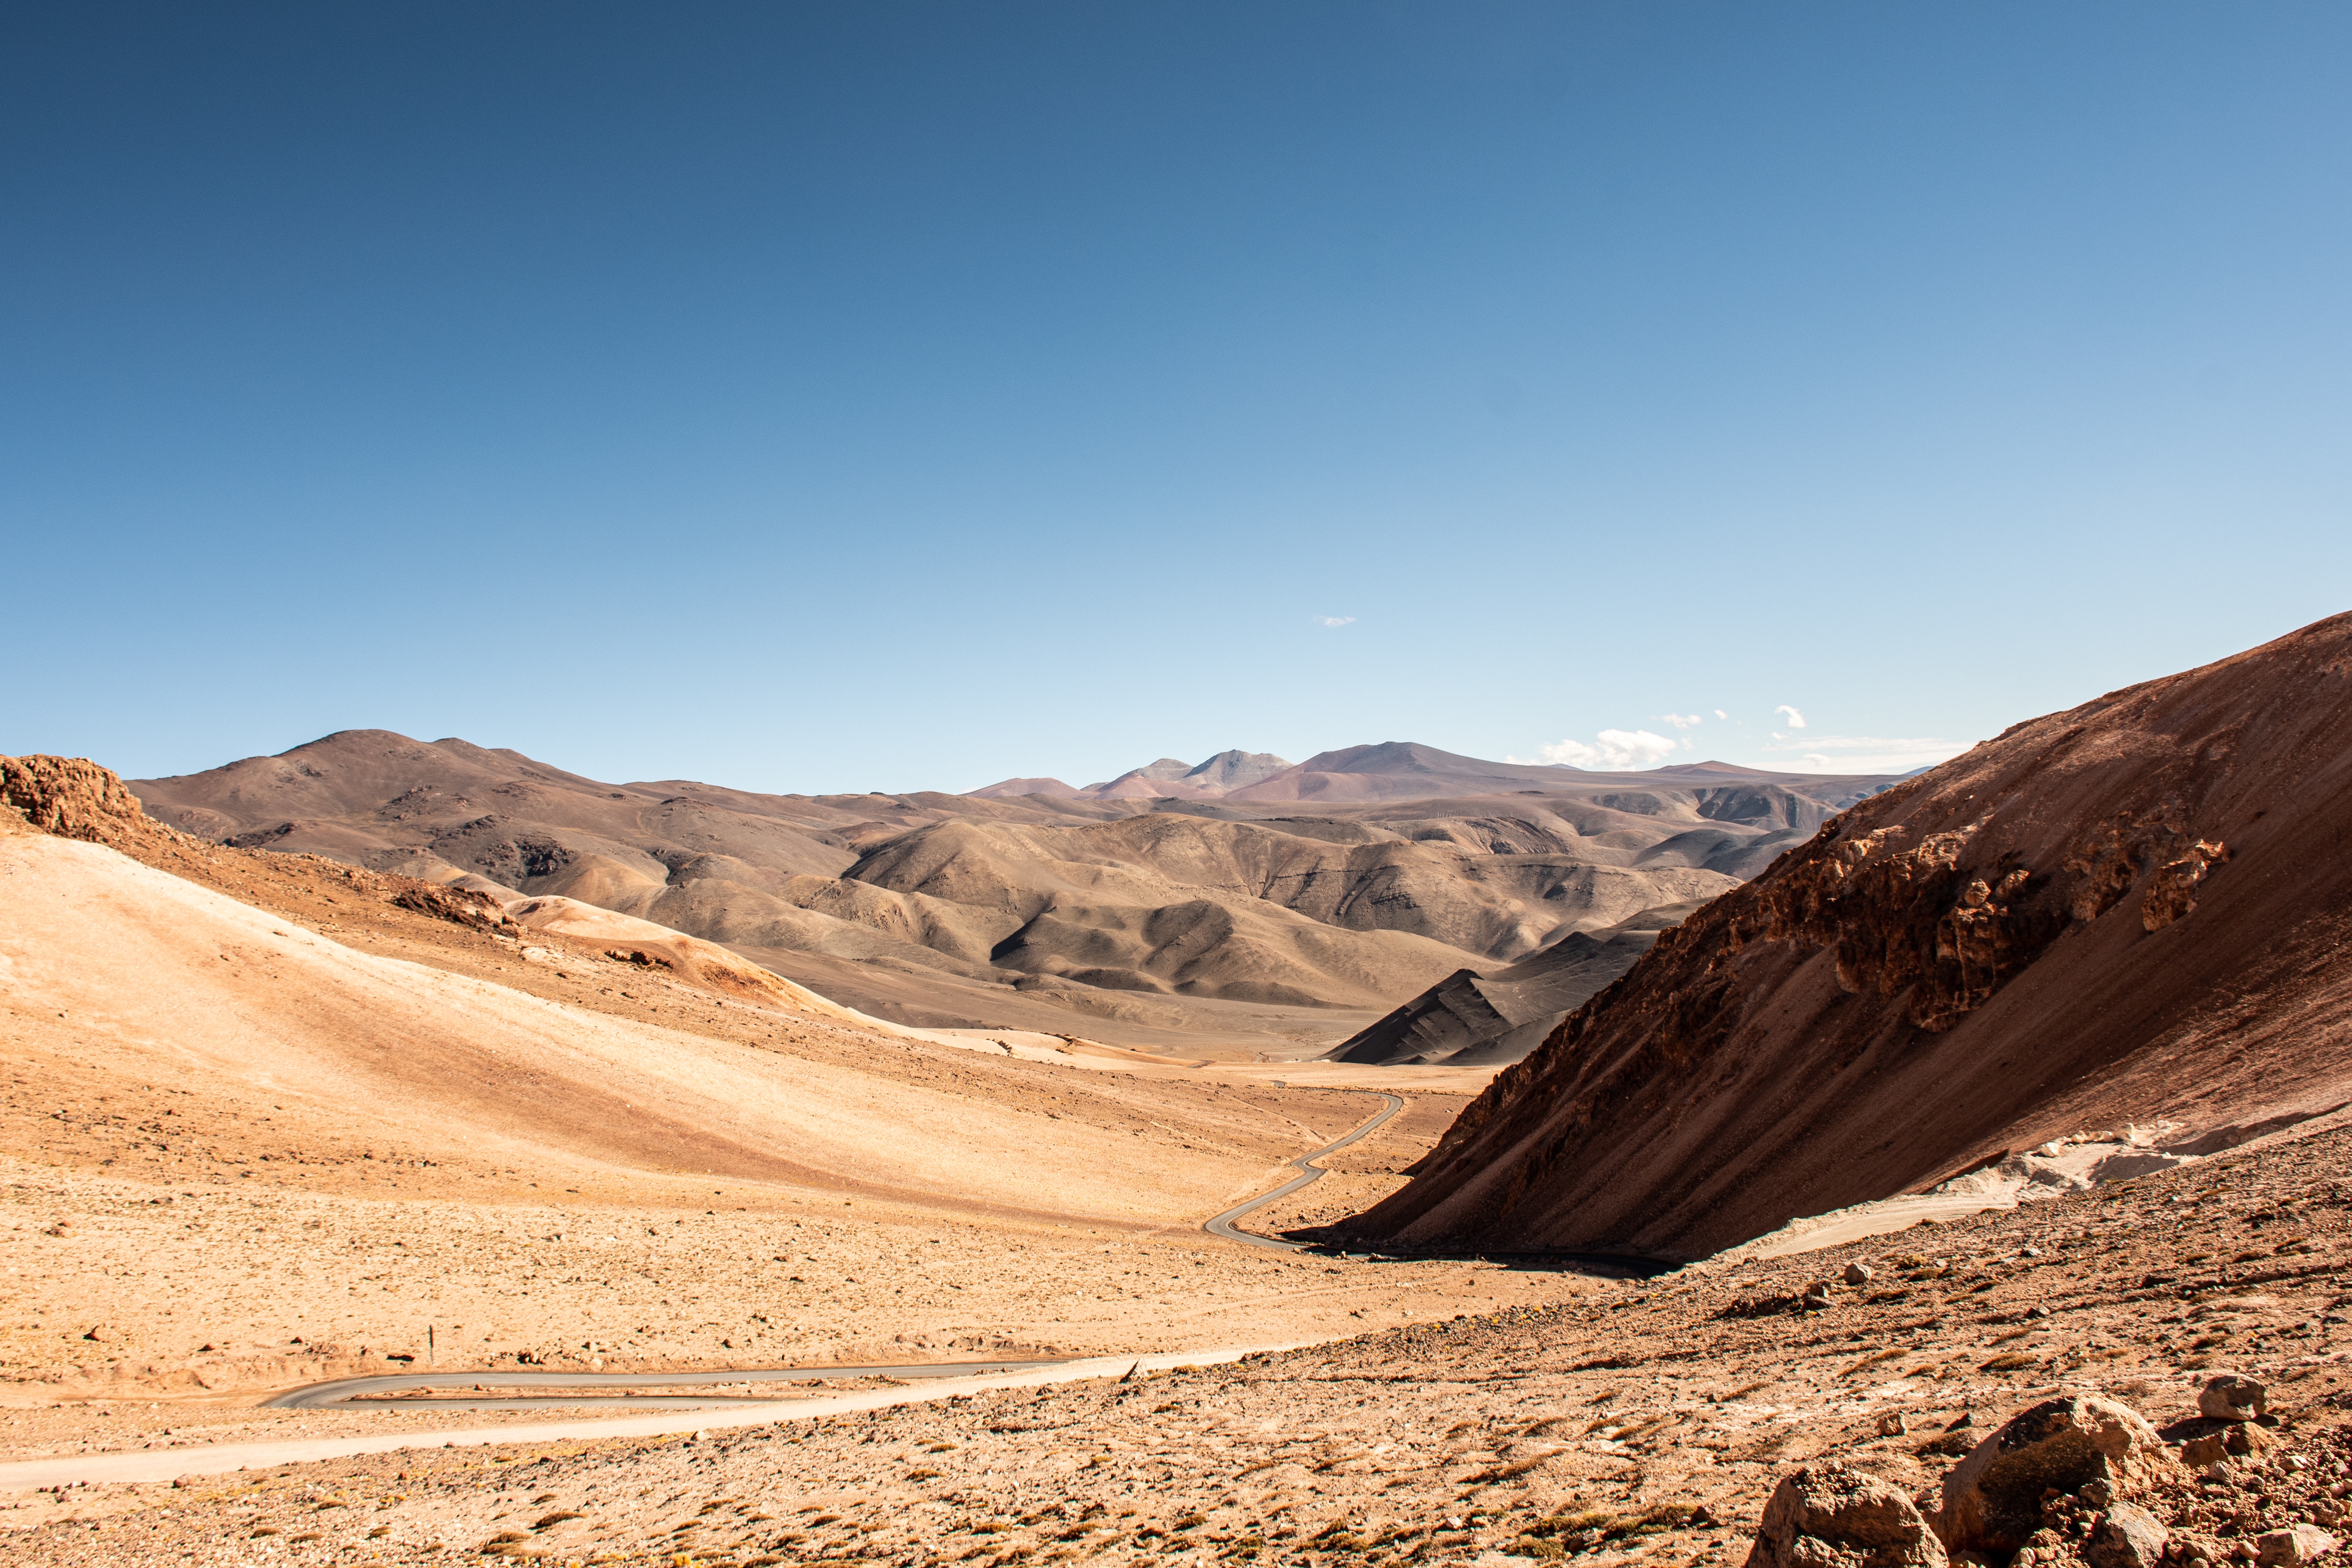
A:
(1611, 1420)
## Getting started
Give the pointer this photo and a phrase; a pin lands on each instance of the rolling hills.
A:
(1266, 908)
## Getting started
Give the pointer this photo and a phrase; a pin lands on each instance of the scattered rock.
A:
(2199, 1452)
(2232, 1396)
(1857, 1273)
(2127, 1536)
(1816, 1295)
(1892, 1425)
(1993, 1498)
(2285, 1548)
(1833, 1516)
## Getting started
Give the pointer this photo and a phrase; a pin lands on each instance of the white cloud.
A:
(1863, 753)
(1619, 751)
(1333, 620)
(1796, 720)
(1679, 721)
(1721, 714)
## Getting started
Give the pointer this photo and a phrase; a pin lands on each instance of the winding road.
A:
(379, 1392)
(375, 1390)
(1311, 1173)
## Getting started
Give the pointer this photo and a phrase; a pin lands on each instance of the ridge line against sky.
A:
(917, 396)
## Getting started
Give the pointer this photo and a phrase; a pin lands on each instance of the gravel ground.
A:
(1613, 1421)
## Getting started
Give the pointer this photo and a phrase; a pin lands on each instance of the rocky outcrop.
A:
(2111, 914)
(1833, 1516)
(73, 797)
(2172, 890)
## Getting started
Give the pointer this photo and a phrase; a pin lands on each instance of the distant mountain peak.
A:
(1234, 770)
(1171, 778)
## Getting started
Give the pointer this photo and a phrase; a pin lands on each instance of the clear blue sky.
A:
(897, 396)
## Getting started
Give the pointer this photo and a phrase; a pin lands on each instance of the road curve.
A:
(1308, 1172)
(220, 1458)
(373, 1390)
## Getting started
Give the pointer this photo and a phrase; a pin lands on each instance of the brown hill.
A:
(2134, 911)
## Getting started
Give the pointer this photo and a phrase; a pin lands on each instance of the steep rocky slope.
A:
(2133, 912)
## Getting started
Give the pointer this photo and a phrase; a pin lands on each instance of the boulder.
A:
(1833, 1516)
(2232, 1396)
(1993, 1498)
(2287, 1548)
(2126, 1536)
(1857, 1273)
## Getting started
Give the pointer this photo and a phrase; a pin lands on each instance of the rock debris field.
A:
(1609, 1421)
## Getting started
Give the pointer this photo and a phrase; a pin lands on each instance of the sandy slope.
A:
(188, 989)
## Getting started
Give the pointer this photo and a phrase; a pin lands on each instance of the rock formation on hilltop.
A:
(73, 797)
(2136, 911)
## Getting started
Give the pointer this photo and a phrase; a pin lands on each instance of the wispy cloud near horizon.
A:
(1333, 620)
(1863, 753)
(1619, 751)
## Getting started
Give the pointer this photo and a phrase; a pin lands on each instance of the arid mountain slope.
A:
(2134, 911)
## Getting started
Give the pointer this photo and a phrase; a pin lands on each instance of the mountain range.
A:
(1286, 912)
(1167, 779)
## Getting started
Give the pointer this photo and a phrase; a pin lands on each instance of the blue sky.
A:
(903, 396)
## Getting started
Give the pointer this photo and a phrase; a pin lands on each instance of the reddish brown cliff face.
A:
(2136, 912)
